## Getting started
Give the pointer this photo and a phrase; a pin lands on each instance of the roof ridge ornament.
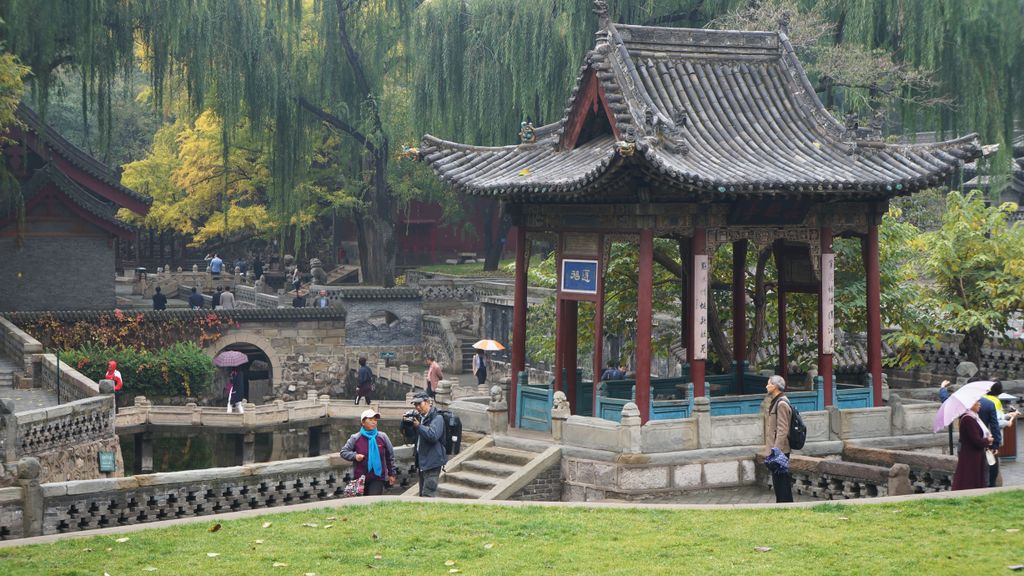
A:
(784, 20)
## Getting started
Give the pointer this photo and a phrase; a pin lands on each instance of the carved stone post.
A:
(560, 412)
(443, 395)
(497, 412)
(9, 426)
(629, 429)
(702, 413)
(248, 448)
(143, 453)
(32, 508)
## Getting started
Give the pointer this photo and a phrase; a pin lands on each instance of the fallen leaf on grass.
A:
(267, 524)
(1016, 567)
(331, 518)
(843, 518)
(149, 569)
(213, 554)
(87, 550)
(259, 541)
(454, 571)
(328, 525)
(213, 528)
(1013, 529)
(121, 540)
(309, 574)
(310, 525)
(109, 549)
(762, 548)
(377, 557)
(449, 562)
(376, 536)
(279, 565)
(488, 546)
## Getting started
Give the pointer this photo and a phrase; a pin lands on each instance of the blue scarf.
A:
(372, 452)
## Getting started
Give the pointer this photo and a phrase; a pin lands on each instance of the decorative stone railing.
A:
(837, 479)
(62, 426)
(33, 509)
(927, 472)
(440, 339)
(17, 345)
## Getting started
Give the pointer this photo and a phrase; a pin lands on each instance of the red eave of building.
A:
(591, 94)
(51, 191)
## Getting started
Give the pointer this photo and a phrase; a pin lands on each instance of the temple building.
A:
(59, 231)
(705, 137)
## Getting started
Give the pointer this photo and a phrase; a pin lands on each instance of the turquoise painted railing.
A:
(534, 407)
(845, 396)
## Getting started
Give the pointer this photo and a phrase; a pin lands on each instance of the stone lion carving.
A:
(316, 269)
(560, 407)
(497, 394)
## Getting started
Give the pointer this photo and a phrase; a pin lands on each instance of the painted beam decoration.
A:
(700, 307)
(579, 276)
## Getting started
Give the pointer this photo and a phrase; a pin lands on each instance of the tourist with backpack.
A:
(430, 452)
(776, 435)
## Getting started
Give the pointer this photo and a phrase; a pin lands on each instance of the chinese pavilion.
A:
(707, 137)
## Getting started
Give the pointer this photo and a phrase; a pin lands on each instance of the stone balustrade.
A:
(927, 472)
(837, 479)
(63, 426)
(62, 378)
(33, 509)
(17, 345)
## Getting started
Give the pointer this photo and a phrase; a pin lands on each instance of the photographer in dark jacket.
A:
(430, 452)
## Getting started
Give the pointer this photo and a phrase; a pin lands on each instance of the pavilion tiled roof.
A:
(104, 210)
(713, 114)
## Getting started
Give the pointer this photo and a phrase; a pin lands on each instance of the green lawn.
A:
(475, 269)
(977, 535)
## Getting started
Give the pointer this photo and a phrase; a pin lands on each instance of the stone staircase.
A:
(7, 371)
(467, 351)
(476, 477)
(484, 471)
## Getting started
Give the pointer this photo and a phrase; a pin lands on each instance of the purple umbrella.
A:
(960, 402)
(230, 358)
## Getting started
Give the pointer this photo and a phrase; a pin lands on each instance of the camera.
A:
(411, 415)
(407, 425)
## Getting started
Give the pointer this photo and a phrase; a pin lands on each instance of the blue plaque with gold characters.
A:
(108, 463)
(579, 276)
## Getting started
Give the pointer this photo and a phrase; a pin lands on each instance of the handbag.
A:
(355, 487)
(990, 456)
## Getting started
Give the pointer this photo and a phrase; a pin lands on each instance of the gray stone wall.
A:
(547, 487)
(383, 322)
(46, 263)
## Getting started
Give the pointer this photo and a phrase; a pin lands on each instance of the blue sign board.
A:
(107, 461)
(579, 276)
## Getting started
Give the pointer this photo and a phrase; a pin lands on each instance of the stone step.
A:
(490, 468)
(448, 490)
(506, 455)
(476, 481)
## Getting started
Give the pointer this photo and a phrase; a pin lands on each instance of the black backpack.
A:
(797, 429)
(452, 439)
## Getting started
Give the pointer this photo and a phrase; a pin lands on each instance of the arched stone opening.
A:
(263, 369)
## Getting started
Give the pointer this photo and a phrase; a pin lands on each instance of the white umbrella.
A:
(960, 402)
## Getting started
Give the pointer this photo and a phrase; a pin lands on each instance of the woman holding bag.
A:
(372, 455)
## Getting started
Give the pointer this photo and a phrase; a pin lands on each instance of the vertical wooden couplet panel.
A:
(826, 312)
(699, 312)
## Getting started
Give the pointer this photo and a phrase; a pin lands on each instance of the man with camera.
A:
(427, 427)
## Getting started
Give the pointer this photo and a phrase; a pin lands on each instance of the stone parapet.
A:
(62, 378)
(586, 480)
(17, 345)
(836, 479)
(63, 427)
(927, 472)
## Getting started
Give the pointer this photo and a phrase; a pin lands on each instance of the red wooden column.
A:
(686, 256)
(699, 313)
(644, 311)
(518, 322)
(783, 353)
(874, 310)
(739, 308)
(826, 315)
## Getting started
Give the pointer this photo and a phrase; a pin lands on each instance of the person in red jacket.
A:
(114, 374)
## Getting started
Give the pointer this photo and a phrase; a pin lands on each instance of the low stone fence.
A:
(33, 508)
(926, 472)
(17, 345)
(65, 439)
(62, 379)
(836, 479)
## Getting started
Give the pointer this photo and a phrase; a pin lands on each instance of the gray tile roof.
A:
(713, 114)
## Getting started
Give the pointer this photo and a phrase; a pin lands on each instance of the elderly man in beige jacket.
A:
(776, 434)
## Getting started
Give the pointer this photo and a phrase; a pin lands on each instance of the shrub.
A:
(182, 369)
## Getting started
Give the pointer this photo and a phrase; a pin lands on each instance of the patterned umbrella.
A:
(230, 358)
(960, 402)
(488, 345)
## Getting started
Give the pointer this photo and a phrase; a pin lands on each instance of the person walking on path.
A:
(429, 453)
(971, 467)
(480, 367)
(364, 381)
(216, 265)
(376, 463)
(227, 299)
(434, 375)
(159, 300)
(776, 435)
(215, 298)
(195, 300)
(235, 390)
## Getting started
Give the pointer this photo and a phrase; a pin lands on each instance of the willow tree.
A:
(288, 68)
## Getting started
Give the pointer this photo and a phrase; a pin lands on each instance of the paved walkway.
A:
(30, 399)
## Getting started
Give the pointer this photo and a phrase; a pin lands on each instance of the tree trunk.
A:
(757, 334)
(973, 340)
(494, 241)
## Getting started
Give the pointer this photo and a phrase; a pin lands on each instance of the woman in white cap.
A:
(378, 463)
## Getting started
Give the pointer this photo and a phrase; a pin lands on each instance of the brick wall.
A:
(547, 487)
(45, 264)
